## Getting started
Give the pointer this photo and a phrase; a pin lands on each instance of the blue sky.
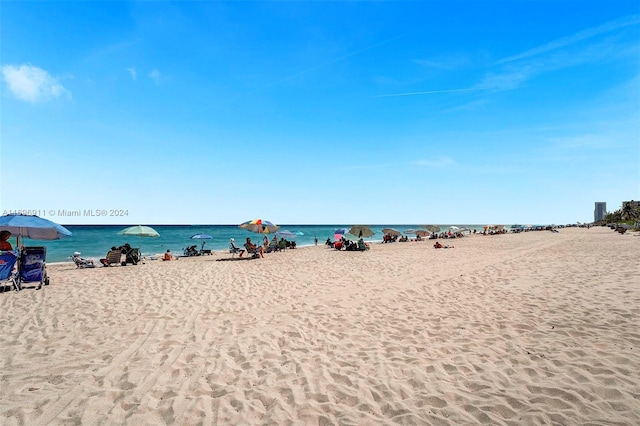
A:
(312, 112)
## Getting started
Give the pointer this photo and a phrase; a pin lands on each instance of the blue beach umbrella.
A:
(286, 234)
(201, 237)
(34, 227)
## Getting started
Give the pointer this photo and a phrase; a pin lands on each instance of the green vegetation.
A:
(629, 214)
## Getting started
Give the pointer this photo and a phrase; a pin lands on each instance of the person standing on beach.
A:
(316, 239)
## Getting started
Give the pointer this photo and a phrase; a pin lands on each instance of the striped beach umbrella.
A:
(259, 226)
(339, 233)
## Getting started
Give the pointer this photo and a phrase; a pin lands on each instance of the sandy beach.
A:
(532, 328)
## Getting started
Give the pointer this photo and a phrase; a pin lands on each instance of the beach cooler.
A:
(32, 267)
(8, 260)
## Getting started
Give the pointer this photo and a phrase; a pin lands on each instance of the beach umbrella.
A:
(34, 227)
(351, 237)
(140, 232)
(286, 234)
(432, 228)
(201, 237)
(422, 233)
(339, 233)
(391, 231)
(361, 231)
(259, 226)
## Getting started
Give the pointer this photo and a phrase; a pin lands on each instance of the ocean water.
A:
(93, 241)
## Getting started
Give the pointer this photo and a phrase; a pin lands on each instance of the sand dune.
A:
(533, 328)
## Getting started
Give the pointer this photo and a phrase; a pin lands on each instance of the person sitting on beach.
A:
(4, 243)
(252, 248)
(168, 256)
(233, 248)
(82, 262)
(104, 261)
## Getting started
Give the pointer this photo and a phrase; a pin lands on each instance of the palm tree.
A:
(630, 211)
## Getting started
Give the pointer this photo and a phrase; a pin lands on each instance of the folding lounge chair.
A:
(362, 246)
(32, 267)
(255, 253)
(81, 263)
(133, 256)
(233, 248)
(191, 251)
(114, 257)
(8, 276)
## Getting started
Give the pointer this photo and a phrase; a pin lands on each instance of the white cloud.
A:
(155, 76)
(429, 92)
(32, 84)
(576, 38)
(132, 72)
(446, 62)
(505, 81)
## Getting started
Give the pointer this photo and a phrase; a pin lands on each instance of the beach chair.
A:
(82, 263)
(255, 253)
(8, 275)
(114, 257)
(191, 251)
(32, 267)
(132, 256)
(233, 248)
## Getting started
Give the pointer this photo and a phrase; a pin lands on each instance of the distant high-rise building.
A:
(600, 211)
